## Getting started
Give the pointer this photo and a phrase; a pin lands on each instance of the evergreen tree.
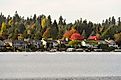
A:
(119, 21)
(109, 20)
(34, 17)
(54, 30)
(84, 34)
(106, 22)
(89, 29)
(60, 20)
(113, 20)
(84, 28)
(21, 28)
(49, 22)
(16, 17)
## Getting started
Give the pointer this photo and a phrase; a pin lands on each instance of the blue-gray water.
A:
(40, 65)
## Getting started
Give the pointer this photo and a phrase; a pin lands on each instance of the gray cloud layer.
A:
(94, 10)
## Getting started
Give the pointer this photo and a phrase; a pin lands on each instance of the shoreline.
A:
(69, 78)
(60, 53)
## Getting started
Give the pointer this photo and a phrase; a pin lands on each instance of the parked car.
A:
(117, 50)
(97, 50)
(79, 50)
(70, 50)
(53, 50)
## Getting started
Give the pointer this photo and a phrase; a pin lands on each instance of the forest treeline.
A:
(38, 27)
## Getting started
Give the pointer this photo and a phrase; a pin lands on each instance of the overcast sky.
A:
(93, 10)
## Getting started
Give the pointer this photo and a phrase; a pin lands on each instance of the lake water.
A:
(60, 65)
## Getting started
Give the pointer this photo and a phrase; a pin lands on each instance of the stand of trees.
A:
(38, 27)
